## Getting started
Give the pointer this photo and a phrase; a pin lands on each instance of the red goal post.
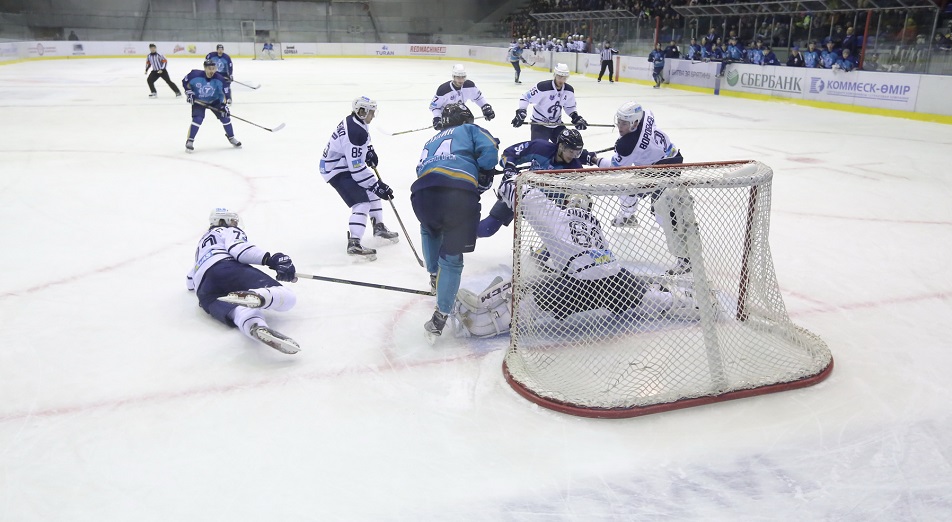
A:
(718, 332)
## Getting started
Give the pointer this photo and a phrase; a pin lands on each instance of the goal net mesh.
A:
(665, 298)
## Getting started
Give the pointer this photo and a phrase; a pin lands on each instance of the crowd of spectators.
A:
(897, 33)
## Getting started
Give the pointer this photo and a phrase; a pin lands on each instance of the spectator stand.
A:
(785, 23)
(620, 26)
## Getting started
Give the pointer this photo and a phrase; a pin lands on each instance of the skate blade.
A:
(282, 345)
(388, 240)
(363, 258)
(249, 300)
(431, 337)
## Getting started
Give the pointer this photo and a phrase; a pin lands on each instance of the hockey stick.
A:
(545, 124)
(360, 283)
(276, 129)
(424, 128)
(255, 86)
(395, 213)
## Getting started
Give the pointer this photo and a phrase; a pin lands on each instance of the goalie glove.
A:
(520, 118)
(437, 123)
(488, 112)
(190, 97)
(371, 158)
(578, 121)
(382, 190)
(485, 181)
(281, 263)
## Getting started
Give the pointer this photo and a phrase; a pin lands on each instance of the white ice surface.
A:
(121, 400)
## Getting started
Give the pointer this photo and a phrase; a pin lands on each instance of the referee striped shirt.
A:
(156, 60)
(607, 53)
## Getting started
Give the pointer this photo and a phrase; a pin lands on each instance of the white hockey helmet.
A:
(222, 217)
(562, 70)
(363, 105)
(582, 201)
(630, 112)
(459, 71)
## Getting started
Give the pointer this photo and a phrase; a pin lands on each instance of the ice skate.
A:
(683, 305)
(434, 327)
(381, 231)
(189, 146)
(355, 249)
(154, 95)
(622, 220)
(276, 340)
(432, 284)
(245, 298)
(683, 267)
(234, 141)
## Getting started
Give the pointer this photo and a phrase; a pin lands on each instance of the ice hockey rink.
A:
(120, 399)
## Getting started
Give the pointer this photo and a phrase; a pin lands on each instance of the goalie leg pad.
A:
(669, 212)
(488, 313)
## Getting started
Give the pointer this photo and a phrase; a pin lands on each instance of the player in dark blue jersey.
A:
(211, 89)
(457, 165)
(567, 154)
(223, 63)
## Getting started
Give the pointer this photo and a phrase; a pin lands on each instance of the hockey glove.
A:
(382, 190)
(438, 123)
(371, 158)
(228, 101)
(485, 181)
(509, 171)
(225, 111)
(281, 263)
(190, 97)
(579, 121)
(520, 118)
(589, 158)
(488, 112)
(507, 191)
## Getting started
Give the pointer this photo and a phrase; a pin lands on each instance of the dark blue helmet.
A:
(456, 114)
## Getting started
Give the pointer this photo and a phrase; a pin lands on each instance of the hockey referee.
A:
(607, 62)
(158, 63)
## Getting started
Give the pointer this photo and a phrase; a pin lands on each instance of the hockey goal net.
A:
(668, 298)
(268, 51)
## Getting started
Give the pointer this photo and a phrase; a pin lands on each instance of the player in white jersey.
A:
(347, 164)
(584, 273)
(456, 91)
(642, 143)
(231, 290)
(549, 98)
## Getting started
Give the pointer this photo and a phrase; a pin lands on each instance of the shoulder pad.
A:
(568, 87)
(356, 131)
(626, 144)
(443, 89)
(468, 83)
(545, 85)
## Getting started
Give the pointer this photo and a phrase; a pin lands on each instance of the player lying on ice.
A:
(231, 290)
(583, 273)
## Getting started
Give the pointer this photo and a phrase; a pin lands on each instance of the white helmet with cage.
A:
(363, 105)
(459, 71)
(562, 70)
(582, 201)
(630, 112)
(222, 217)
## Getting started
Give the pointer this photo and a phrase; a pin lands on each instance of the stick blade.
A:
(276, 129)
